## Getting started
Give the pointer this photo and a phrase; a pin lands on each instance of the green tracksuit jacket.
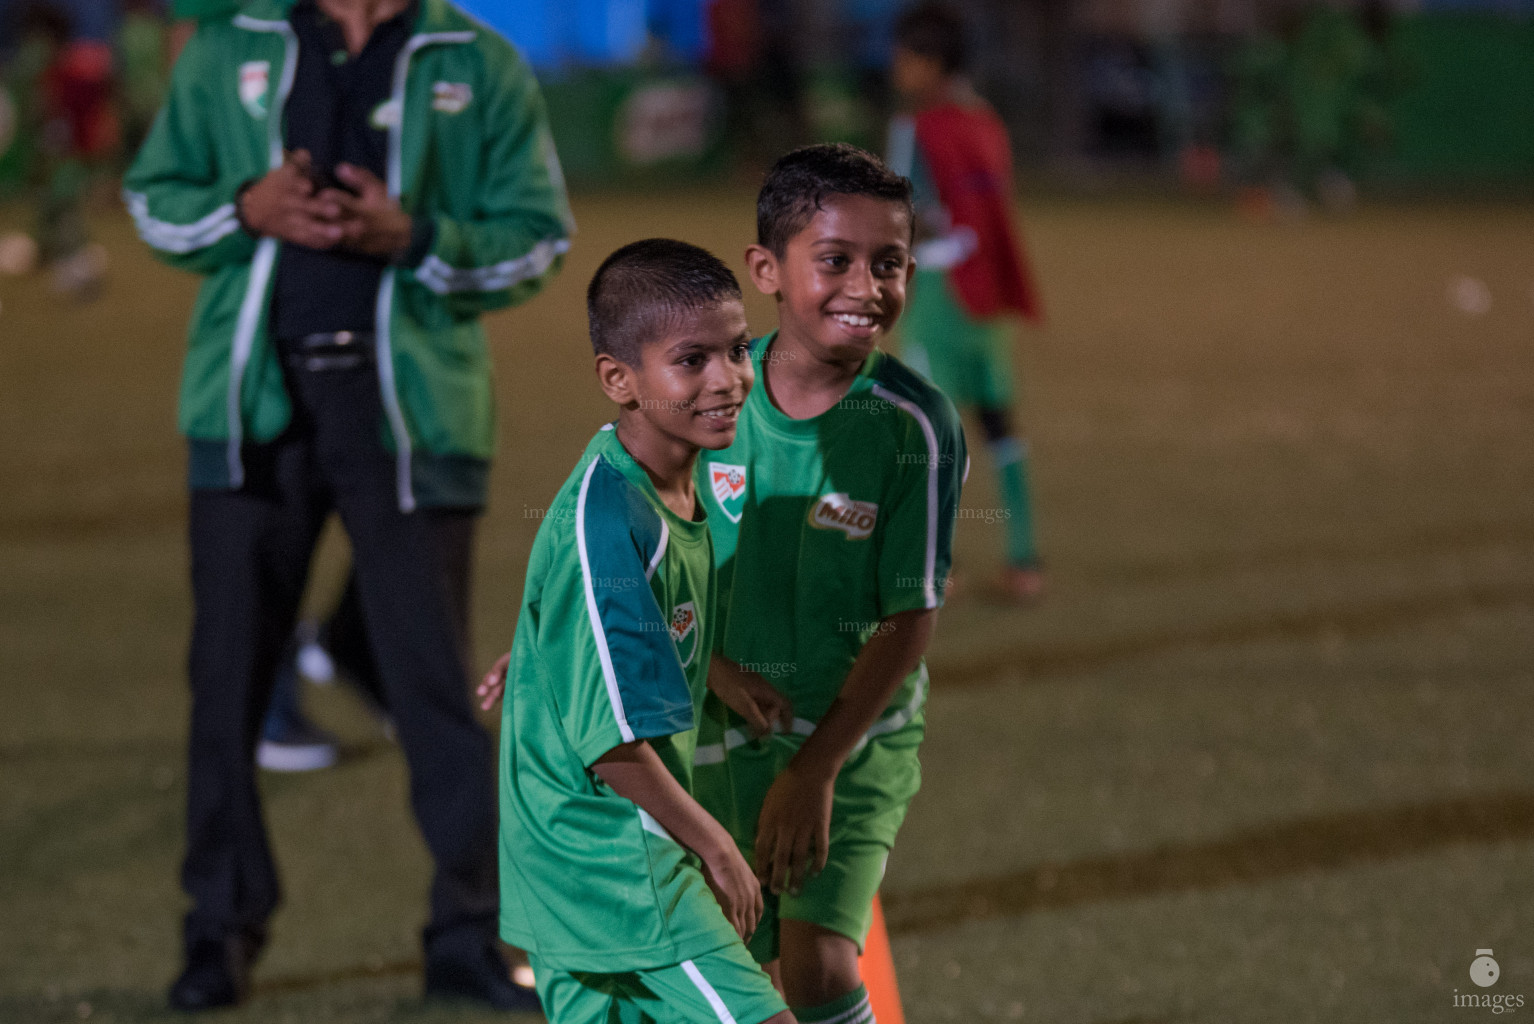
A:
(469, 147)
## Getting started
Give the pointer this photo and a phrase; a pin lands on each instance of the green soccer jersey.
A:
(825, 526)
(612, 645)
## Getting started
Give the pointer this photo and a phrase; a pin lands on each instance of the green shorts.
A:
(716, 988)
(969, 360)
(873, 792)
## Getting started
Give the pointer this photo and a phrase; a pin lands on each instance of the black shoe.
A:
(480, 975)
(217, 973)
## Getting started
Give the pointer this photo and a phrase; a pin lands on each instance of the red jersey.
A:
(78, 90)
(967, 154)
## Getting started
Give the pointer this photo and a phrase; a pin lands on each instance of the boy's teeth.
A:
(853, 320)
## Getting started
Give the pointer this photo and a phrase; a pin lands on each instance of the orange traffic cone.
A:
(878, 969)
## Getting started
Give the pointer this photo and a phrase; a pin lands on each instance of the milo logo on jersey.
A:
(729, 486)
(684, 631)
(837, 511)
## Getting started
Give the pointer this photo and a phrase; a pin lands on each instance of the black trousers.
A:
(345, 635)
(251, 552)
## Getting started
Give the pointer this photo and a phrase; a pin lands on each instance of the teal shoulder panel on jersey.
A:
(621, 540)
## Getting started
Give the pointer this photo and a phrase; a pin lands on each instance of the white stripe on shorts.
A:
(720, 1010)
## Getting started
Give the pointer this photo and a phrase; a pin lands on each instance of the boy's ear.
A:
(616, 379)
(763, 267)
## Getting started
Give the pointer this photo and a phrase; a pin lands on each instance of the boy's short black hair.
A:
(934, 31)
(646, 287)
(800, 183)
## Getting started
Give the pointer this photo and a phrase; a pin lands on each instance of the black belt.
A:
(330, 350)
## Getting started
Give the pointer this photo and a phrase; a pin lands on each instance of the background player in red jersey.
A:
(972, 280)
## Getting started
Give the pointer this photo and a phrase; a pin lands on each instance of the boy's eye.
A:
(696, 359)
(835, 261)
(740, 352)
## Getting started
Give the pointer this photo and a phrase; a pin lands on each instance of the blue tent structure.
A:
(594, 33)
(551, 33)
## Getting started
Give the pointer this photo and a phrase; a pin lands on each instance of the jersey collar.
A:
(761, 407)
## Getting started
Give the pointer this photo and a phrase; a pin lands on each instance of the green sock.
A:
(852, 1008)
(1011, 458)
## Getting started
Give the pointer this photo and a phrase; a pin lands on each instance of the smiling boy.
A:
(832, 515)
(627, 896)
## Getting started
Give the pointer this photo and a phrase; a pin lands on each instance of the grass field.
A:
(1266, 753)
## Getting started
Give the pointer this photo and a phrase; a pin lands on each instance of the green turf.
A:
(1266, 753)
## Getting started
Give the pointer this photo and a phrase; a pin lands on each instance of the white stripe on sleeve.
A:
(597, 632)
(929, 583)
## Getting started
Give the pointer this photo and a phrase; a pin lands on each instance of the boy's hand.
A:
(736, 888)
(793, 834)
(493, 686)
(751, 697)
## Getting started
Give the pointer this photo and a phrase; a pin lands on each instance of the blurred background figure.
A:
(62, 86)
(972, 279)
(1310, 107)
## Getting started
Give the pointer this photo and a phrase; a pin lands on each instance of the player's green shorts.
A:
(872, 793)
(725, 985)
(969, 360)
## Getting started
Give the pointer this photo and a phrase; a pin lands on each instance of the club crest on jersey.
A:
(451, 97)
(729, 484)
(255, 76)
(684, 631)
(837, 511)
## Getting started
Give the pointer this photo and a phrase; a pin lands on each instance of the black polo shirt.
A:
(338, 111)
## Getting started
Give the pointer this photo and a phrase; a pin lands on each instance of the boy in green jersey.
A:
(631, 901)
(832, 515)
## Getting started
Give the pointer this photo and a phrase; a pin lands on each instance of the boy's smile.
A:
(841, 280)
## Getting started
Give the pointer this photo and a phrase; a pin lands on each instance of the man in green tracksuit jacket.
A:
(358, 180)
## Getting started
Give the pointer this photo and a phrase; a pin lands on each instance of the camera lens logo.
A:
(1484, 970)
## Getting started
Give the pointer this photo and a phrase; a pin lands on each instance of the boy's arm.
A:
(634, 771)
(793, 832)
